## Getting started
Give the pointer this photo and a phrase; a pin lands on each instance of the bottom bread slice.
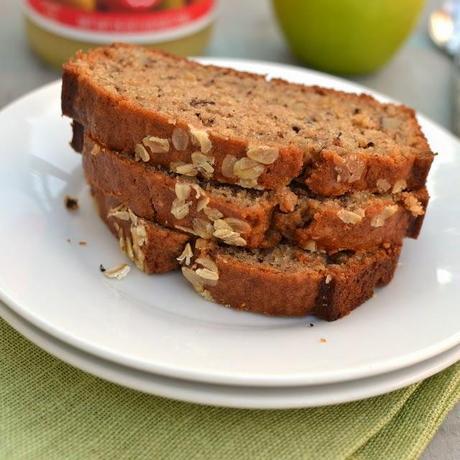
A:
(287, 281)
(282, 281)
(153, 248)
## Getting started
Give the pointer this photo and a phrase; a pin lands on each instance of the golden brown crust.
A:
(121, 124)
(314, 223)
(330, 292)
(329, 174)
(327, 227)
(162, 246)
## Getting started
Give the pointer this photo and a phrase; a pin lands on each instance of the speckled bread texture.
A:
(286, 281)
(254, 218)
(358, 221)
(153, 248)
(242, 128)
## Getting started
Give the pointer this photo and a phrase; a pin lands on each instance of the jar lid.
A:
(108, 21)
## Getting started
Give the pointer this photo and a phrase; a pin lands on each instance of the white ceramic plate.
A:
(158, 324)
(232, 396)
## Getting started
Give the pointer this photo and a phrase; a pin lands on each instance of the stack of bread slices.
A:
(271, 197)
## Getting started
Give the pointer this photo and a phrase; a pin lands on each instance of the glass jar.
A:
(56, 29)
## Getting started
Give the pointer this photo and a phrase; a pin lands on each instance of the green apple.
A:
(346, 36)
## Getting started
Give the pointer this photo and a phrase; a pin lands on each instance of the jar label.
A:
(112, 20)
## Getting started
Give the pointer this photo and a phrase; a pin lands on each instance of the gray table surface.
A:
(418, 76)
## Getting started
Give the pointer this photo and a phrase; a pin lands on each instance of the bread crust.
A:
(314, 224)
(121, 124)
(329, 294)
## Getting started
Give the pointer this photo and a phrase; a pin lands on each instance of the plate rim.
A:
(292, 379)
(208, 394)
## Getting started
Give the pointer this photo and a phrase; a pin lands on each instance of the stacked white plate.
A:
(156, 335)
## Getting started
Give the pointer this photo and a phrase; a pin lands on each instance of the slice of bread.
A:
(254, 218)
(242, 128)
(286, 280)
(281, 281)
(153, 248)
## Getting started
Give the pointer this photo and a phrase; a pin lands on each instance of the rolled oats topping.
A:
(200, 138)
(245, 168)
(224, 232)
(121, 241)
(263, 154)
(180, 139)
(141, 153)
(202, 204)
(195, 280)
(131, 244)
(119, 212)
(198, 190)
(209, 274)
(186, 255)
(350, 217)
(203, 163)
(133, 217)
(207, 263)
(129, 248)
(118, 272)
(199, 277)
(238, 225)
(206, 274)
(180, 208)
(139, 258)
(388, 211)
(182, 190)
(213, 213)
(202, 228)
(399, 186)
(227, 166)
(156, 144)
(139, 234)
(186, 169)
(250, 183)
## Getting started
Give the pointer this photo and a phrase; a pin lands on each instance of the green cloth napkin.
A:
(50, 410)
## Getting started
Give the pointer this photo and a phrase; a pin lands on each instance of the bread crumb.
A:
(71, 203)
(118, 272)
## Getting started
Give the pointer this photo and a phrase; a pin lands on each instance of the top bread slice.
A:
(242, 128)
